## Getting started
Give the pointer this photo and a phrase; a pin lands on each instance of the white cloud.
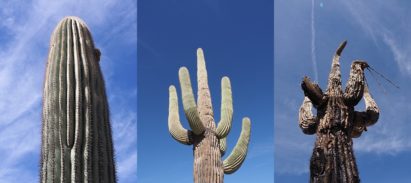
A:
(124, 125)
(372, 18)
(390, 136)
(313, 56)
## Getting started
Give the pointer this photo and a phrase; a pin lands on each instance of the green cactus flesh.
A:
(76, 133)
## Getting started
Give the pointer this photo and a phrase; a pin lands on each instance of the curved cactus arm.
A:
(223, 145)
(177, 131)
(334, 78)
(189, 104)
(366, 118)
(237, 156)
(355, 85)
(307, 121)
(224, 125)
(312, 91)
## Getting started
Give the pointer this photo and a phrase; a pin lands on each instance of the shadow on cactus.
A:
(76, 134)
(209, 141)
(336, 122)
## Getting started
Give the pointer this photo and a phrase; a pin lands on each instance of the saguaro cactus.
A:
(208, 140)
(76, 135)
(336, 122)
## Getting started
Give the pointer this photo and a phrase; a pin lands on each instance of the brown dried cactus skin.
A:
(336, 122)
(76, 134)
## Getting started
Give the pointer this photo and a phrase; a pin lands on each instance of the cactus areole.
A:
(208, 140)
(336, 122)
(76, 135)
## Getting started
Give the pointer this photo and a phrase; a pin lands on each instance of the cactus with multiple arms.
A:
(336, 122)
(208, 140)
(76, 134)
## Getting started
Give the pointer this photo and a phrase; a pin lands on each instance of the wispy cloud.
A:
(313, 56)
(261, 149)
(25, 32)
(391, 135)
(372, 18)
(124, 124)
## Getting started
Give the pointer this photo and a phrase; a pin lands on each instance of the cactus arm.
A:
(334, 79)
(237, 156)
(189, 104)
(366, 118)
(312, 91)
(224, 125)
(223, 145)
(307, 121)
(177, 131)
(355, 85)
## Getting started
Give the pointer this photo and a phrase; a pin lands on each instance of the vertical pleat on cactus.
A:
(76, 134)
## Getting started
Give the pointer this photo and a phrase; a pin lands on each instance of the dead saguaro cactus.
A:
(209, 141)
(76, 135)
(336, 122)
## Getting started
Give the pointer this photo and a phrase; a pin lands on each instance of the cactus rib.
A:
(223, 145)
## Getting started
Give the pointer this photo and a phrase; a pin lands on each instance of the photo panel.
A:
(341, 91)
(225, 49)
(68, 91)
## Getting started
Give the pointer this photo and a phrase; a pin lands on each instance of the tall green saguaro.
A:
(76, 136)
(208, 140)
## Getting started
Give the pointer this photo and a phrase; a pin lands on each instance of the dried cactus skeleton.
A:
(209, 141)
(76, 136)
(336, 122)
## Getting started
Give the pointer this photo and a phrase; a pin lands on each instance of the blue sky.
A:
(237, 38)
(25, 30)
(306, 35)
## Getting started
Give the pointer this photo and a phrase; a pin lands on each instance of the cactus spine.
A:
(208, 140)
(76, 133)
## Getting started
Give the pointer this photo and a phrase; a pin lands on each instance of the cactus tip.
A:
(182, 70)
(200, 54)
(199, 50)
(225, 78)
(341, 47)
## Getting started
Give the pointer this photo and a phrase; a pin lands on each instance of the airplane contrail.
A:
(313, 56)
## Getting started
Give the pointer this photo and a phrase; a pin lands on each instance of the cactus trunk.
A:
(207, 158)
(333, 159)
(208, 166)
(76, 142)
